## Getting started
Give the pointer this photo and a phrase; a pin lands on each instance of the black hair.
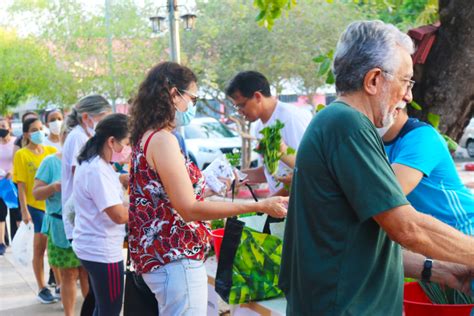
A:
(47, 113)
(113, 125)
(26, 114)
(28, 122)
(247, 83)
(26, 128)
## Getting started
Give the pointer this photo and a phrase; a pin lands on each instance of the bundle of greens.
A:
(234, 157)
(269, 146)
(439, 294)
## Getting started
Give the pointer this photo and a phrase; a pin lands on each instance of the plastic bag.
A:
(22, 244)
(9, 193)
(220, 168)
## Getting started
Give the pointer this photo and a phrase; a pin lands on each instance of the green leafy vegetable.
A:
(439, 294)
(269, 146)
(234, 158)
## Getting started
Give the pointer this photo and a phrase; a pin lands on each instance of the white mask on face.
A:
(91, 130)
(55, 127)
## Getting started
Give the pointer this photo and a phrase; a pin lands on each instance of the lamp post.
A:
(158, 25)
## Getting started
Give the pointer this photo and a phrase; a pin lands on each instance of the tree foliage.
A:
(77, 36)
(226, 41)
(28, 69)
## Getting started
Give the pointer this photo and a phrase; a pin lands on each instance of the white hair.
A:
(365, 45)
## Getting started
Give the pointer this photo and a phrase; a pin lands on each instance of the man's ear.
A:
(373, 81)
(258, 96)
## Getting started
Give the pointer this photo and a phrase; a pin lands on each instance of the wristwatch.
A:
(426, 273)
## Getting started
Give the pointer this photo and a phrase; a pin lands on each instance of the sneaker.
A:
(45, 296)
(57, 293)
(2, 249)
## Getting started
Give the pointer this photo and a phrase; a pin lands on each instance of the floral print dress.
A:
(157, 233)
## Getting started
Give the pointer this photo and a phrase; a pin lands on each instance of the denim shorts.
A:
(37, 216)
(180, 287)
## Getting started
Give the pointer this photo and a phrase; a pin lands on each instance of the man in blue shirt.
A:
(427, 173)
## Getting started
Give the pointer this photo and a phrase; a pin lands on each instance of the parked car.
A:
(207, 139)
(467, 139)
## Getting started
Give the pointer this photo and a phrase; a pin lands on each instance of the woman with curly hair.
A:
(168, 236)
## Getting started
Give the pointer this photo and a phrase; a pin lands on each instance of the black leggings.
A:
(107, 284)
(15, 216)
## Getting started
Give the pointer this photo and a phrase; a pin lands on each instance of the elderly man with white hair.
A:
(347, 214)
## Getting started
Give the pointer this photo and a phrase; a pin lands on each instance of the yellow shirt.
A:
(25, 164)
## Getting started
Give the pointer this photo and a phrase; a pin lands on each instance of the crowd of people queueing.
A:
(348, 211)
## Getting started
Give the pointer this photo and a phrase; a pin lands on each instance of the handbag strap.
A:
(266, 227)
(129, 261)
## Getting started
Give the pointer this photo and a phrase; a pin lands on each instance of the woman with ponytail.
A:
(101, 214)
(80, 126)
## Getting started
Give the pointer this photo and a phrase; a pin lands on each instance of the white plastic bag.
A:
(22, 244)
(220, 168)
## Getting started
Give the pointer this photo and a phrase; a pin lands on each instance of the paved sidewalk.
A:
(18, 291)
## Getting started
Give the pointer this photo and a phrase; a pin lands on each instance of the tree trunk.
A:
(445, 84)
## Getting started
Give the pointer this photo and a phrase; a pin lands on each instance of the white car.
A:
(467, 139)
(207, 139)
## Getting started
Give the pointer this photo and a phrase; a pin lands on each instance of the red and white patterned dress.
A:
(157, 233)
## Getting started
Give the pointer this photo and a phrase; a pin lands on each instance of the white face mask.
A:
(91, 130)
(55, 127)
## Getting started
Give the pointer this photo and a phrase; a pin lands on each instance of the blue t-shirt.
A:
(49, 172)
(440, 192)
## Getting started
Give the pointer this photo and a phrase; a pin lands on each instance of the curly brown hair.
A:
(153, 106)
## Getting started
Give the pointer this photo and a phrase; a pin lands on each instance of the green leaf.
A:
(290, 151)
(319, 59)
(324, 68)
(261, 15)
(415, 105)
(320, 107)
(452, 145)
(330, 79)
(433, 119)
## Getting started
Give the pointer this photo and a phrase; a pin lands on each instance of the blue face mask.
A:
(37, 137)
(184, 118)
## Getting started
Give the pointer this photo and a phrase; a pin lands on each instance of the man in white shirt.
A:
(250, 93)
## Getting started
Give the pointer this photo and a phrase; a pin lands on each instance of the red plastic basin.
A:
(217, 237)
(416, 303)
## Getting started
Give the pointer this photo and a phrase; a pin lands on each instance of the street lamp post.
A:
(174, 31)
(158, 25)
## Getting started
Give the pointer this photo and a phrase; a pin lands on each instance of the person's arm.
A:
(408, 177)
(281, 192)
(255, 175)
(25, 214)
(426, 235)
(42, 190)
(118, 213)
(170, 166)
(288, 159)
(456, 276)
(15, 149)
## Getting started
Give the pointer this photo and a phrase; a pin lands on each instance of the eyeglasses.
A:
(410, 82)
(240, 105)
(194, 97)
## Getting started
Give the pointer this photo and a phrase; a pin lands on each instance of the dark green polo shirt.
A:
(336, 258)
